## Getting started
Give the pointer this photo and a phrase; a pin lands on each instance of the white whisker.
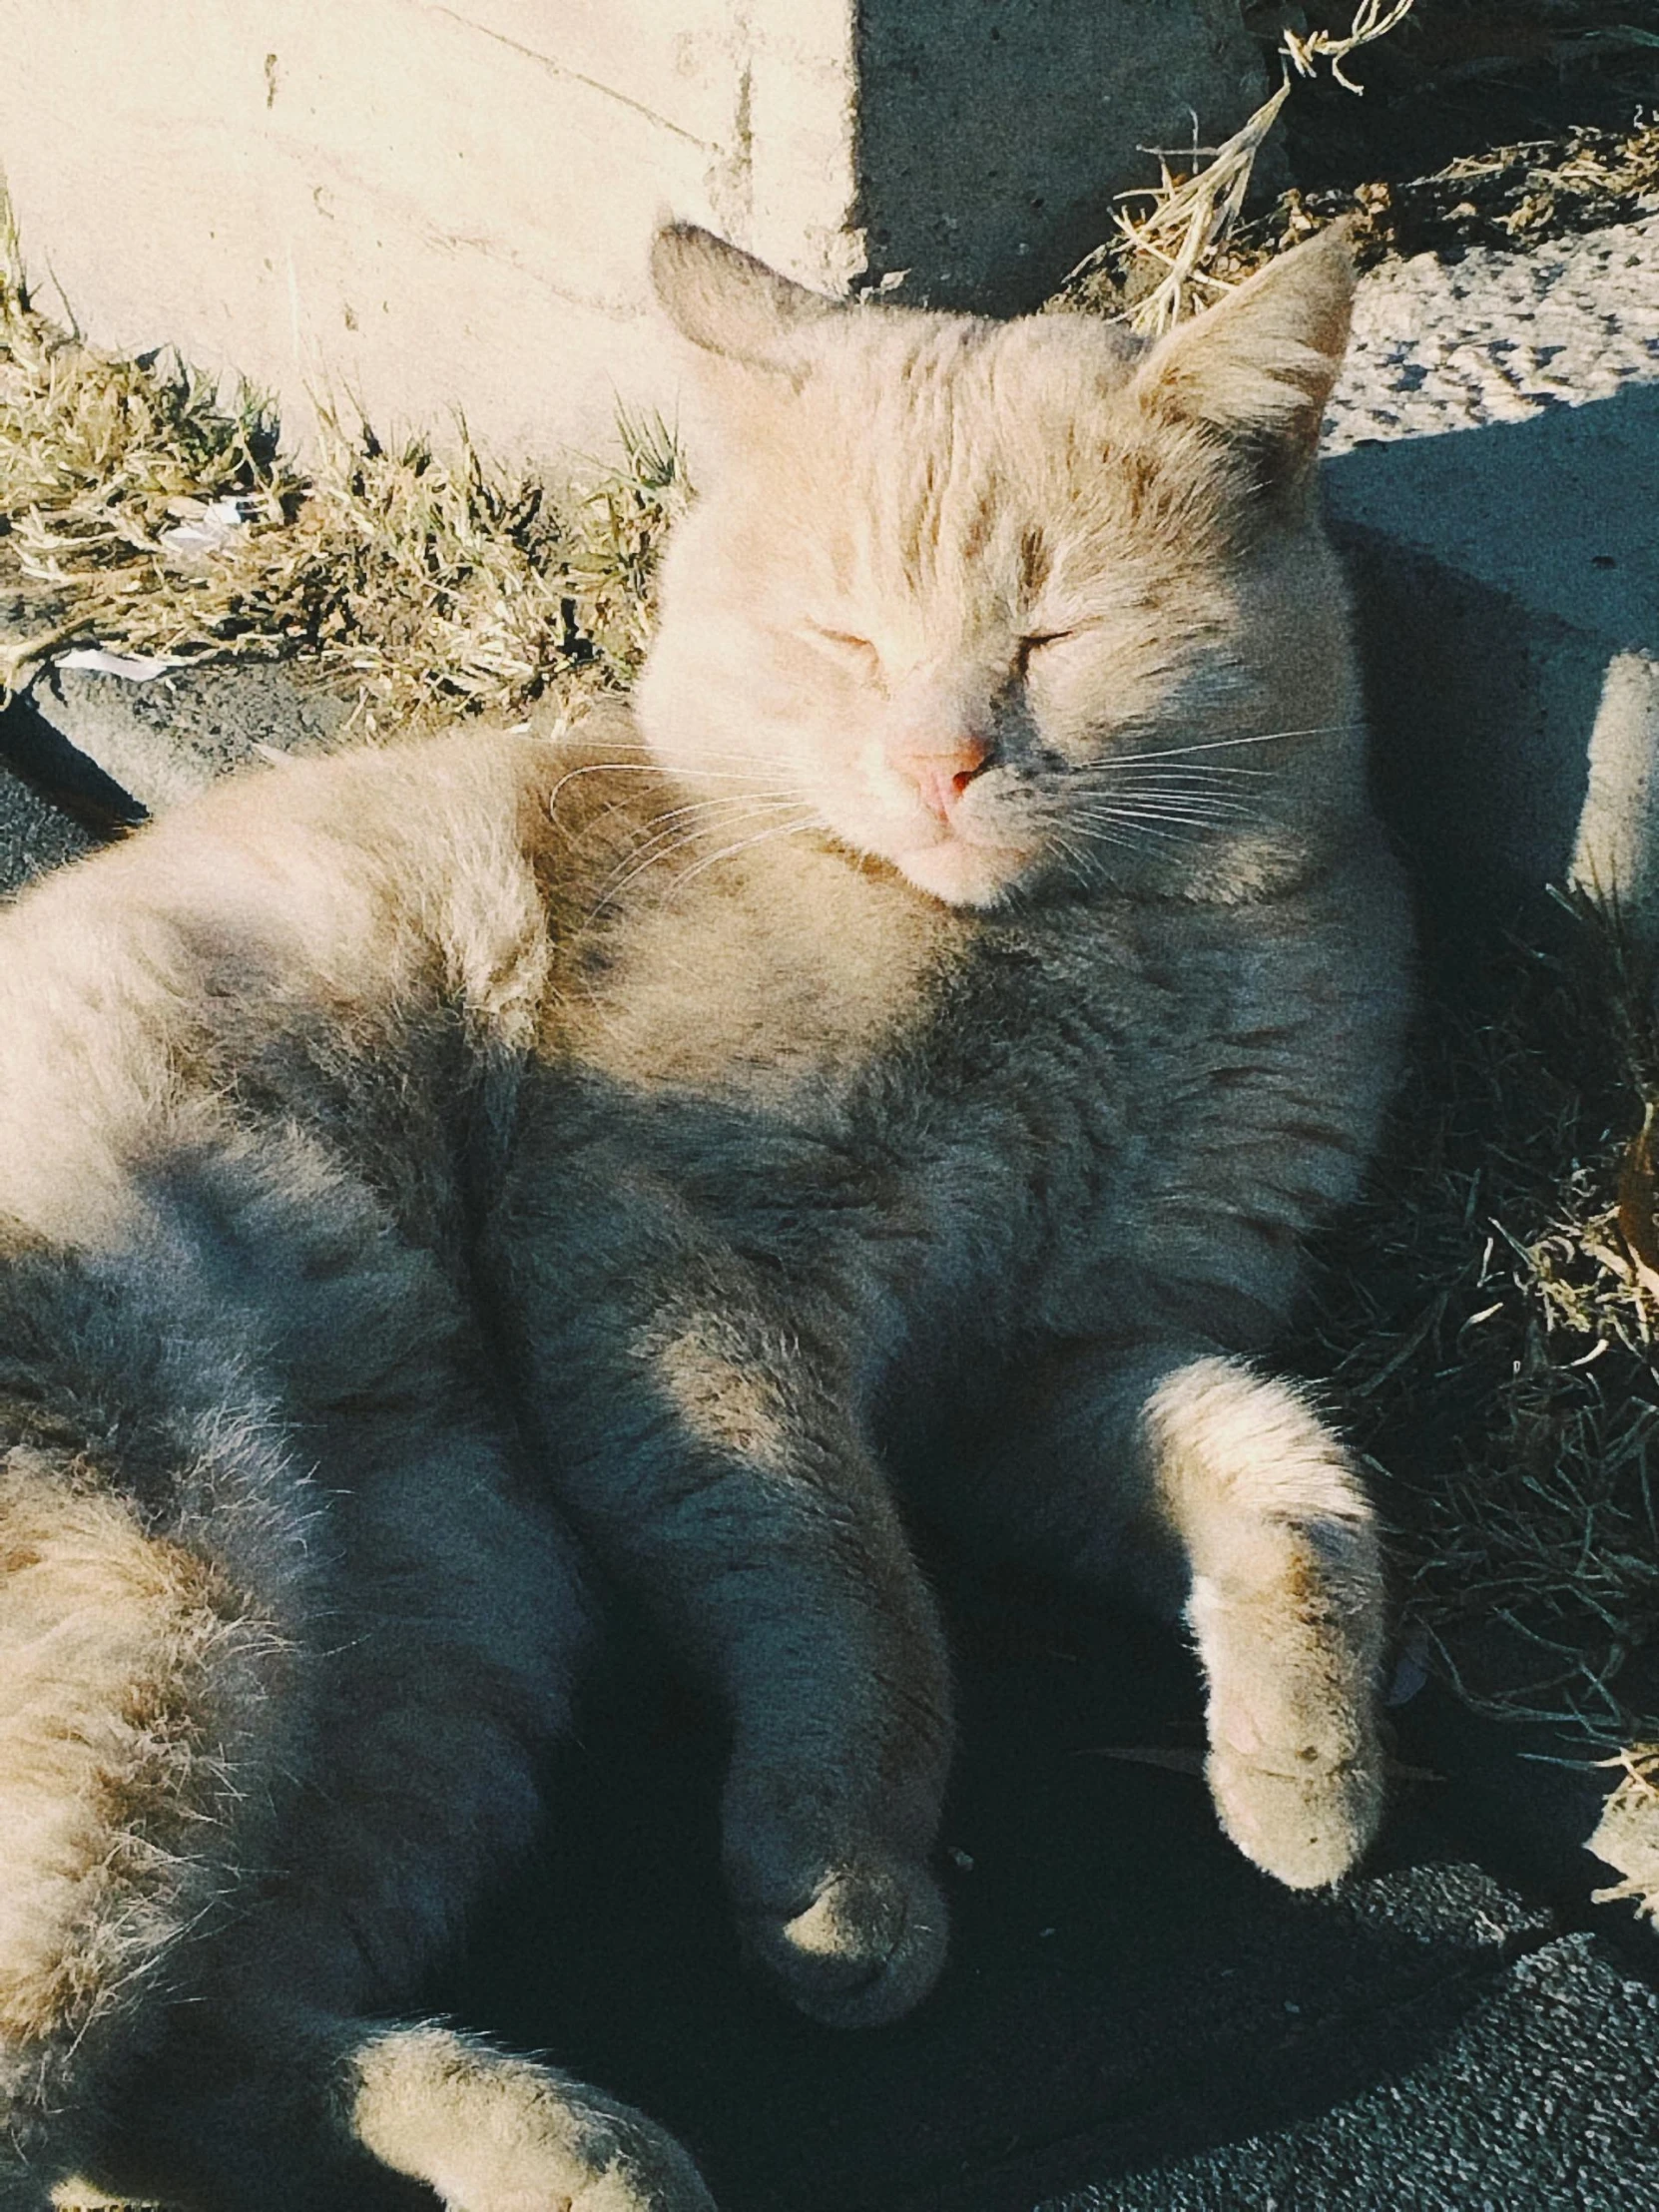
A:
(1094, 835)
(1147, 814)
(640, 860)
(1196, 804)
(728, 799)
(779, 830)
(653, 768)
(1139, 832)
(706, 812)
(1263, 737)
(1087, 864)
(1199, 772)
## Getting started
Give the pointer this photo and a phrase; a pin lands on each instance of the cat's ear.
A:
(728, 303)
(1257, 368)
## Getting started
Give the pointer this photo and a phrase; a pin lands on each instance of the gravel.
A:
(1499, 337)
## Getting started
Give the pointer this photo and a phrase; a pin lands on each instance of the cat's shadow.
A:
(1123, 1988)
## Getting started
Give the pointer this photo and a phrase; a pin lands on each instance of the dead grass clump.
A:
(1489, 1333)
(1627, 1837)
(1163, 262)
(141, 511)
(1182, 242)
(1161, 266)
(1513, 197)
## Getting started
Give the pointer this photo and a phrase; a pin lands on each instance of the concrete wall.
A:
(435, 207)
(994, 134)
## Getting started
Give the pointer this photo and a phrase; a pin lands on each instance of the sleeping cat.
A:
(905, 1049)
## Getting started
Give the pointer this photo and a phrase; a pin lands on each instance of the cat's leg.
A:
(450, 1662)
(494, 2133)
(284, 2109)
(270, 1714)
(146, 1705)
(1220, 1489)
(791, 1584)
(710, 1456)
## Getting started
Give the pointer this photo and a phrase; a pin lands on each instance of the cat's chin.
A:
(963, 874)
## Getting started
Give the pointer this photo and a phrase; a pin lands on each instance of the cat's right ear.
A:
(1256, 369)
(731, 305)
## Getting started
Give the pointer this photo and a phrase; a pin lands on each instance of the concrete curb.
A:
(1493, 475)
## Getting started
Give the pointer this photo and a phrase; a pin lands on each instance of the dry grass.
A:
(1164, 263)
(418, 580)
(1515, 195)
(1169, 249)
(1182, 242)
(1628, 1837)
(1372, 19)
(1485, 1324)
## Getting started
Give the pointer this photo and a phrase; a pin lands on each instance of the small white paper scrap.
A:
(137, 668)
(207, 531)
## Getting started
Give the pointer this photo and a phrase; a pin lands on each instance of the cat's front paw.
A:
(865, 1945)
(1298, 1816)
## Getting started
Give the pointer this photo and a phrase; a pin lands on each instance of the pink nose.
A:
(942, 776)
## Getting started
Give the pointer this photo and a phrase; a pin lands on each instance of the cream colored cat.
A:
(909, 1052)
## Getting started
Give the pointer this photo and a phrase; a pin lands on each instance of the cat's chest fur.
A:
(1002, 1113)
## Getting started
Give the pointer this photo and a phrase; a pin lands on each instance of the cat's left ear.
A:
(728, 303)
(1258, 368)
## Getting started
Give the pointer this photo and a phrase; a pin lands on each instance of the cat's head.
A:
(1011, 606)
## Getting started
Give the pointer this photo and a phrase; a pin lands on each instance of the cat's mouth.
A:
(962, 870)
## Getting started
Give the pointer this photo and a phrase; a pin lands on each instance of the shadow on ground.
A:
(1505, 577)
(1124, 1988)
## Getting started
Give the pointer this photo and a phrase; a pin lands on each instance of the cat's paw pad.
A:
(1303, 1819)
(866, 1945)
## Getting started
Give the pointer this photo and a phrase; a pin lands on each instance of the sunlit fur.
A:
(905, 1060)
(927, 525)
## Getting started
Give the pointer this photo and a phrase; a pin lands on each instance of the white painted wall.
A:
(434, 208)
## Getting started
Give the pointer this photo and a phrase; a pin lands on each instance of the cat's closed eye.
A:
(1025, 646)
(856, 654)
